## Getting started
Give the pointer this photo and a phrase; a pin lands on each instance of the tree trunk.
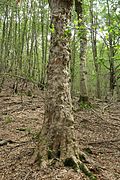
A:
(111, 54)
(94, 49)
(57, 137)
(2, 63)
(83, 48)
(72, 63)
(43, 44)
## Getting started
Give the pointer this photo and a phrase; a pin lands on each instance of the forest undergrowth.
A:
(21, 117)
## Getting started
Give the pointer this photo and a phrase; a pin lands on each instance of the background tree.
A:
(83, 49)
(93, 19)
(25, 40)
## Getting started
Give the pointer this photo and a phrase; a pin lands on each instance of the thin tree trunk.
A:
(94, 49)
(111, 55)
(72, 64)
(6, 43)
(46, 48)
(15, 43)
(83, 49)
(2, 63)
(43, 44)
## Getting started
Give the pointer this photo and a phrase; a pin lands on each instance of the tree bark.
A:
(57, 137)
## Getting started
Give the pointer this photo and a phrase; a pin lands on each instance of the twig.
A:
(101, 142)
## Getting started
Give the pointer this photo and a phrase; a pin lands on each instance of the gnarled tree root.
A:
(78, 164)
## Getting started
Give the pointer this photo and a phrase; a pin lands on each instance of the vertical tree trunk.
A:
(46, 48)
(15, 44)
(6, 38)
(94, 49)
(20, 62)
(111, 54)
(72, 63)
(57, 138)
(83, 49)
(43, 44)
(2, 63)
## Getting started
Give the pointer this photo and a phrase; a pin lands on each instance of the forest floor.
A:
(21, 117)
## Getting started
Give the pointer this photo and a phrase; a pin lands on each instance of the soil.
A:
(21, 118)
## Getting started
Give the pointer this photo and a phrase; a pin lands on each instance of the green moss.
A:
(70, 162)
(86, 171)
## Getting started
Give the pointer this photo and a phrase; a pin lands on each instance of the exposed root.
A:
(72, 162)
(78, 164)
(87, 172)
